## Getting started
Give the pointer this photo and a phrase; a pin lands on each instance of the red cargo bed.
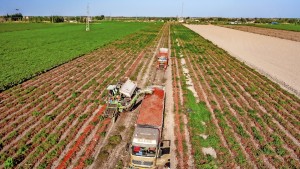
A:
(151, 111)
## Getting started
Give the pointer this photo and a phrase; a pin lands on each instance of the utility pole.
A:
(87, 25)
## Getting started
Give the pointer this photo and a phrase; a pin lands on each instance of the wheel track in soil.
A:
(103, 92)
(83, 147)
(179, 145)
(144, 61)
(108, 134)
(115, 155)
(121, 148)
(169, 132)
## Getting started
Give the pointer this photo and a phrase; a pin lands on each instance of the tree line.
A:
(53, 19)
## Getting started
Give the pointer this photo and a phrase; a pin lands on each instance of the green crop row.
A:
(28, 50)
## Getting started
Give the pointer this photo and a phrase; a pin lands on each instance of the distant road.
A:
(279, 59)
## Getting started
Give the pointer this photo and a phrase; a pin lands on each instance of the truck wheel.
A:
(167, 165)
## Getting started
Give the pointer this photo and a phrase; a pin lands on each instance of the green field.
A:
(289, 27)
(11, 27)
(30, 49)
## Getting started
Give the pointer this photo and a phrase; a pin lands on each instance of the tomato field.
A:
(219, 113)
(252, 123)
(45, 117)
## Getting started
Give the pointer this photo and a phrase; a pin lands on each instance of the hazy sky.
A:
(200, 8)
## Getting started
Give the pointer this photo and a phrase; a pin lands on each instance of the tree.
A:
(101, 17)
(14, 17)
(57, 19)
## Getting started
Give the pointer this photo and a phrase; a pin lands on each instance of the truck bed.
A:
(152, 108)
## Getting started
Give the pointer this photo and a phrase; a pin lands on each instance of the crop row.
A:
(52, 46)
(252, 114)
(112, 146)
(68, 97)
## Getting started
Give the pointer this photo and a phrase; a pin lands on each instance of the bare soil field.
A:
(276, 58)
(283, 34)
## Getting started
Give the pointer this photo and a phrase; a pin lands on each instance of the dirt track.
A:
(283, 34)
(276, 58)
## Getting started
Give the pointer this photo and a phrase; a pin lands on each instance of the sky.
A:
(155, 8)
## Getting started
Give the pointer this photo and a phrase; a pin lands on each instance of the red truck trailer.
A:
(162, 58)
(147, 149)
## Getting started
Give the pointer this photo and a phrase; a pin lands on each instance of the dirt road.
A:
(118, 156)
(276, 58)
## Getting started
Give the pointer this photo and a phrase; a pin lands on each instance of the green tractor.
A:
(122, 97)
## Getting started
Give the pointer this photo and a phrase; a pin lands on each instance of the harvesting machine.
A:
(122, 97)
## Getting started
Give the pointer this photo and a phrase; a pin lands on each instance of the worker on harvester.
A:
(123, 96)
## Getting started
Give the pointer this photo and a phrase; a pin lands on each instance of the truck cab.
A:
(146, 151)
(162, 58)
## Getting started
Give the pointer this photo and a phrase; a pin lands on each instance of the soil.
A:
(169, 116)
(188, 80)
(234, 99)
(168, 129)
(66, 93)
(149, 76)
(119, 153)
(190, 86)
(273, 57)
(283, 34)
(209, 151)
